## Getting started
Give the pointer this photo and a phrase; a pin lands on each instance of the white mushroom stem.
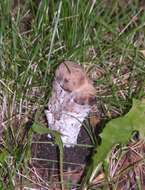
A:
(71, 101)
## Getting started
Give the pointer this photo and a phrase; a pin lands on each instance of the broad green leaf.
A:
(117, 131)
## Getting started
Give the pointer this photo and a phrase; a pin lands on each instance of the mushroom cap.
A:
(73, 79)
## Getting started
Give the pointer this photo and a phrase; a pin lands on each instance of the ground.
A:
(107, 39)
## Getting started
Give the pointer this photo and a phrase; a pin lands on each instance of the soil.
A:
(74, 157)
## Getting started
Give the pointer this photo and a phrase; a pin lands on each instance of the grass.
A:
(104, 37)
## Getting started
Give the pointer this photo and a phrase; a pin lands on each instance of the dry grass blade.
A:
(131, 167)
(126, 168)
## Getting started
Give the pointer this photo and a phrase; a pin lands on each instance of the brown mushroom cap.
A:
(73, 78)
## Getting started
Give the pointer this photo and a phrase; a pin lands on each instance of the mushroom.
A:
(73, 96)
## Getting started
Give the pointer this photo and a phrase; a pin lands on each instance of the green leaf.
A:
(117, 131)
(37, 128)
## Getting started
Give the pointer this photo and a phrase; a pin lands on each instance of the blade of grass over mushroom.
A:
(117, 131)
